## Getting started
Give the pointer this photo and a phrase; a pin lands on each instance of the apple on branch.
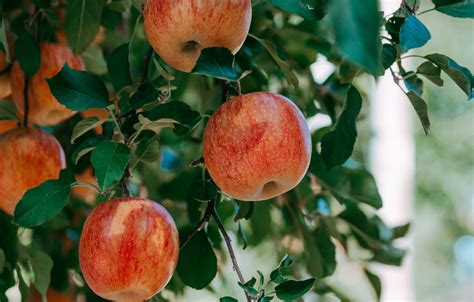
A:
(179, 30)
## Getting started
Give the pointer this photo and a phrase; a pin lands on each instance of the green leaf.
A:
(390, 256)
(2, 261)
(179, 112)
(455, 8)
(84, 126)
(375, 282)
(389, 55)
(202, 190)
(413, 34)
(291, 290)
(118, 66)
(42, 265)
(82, 23)
(218, 62)
(119, 5)
(244, 210)
(78, 90)
(459, 74)
(146, 93)
(7, 111)
(400, 231)
(321, 259)
(284, 66)
(337, 145)
(421, 110)
(356, 24)
(431, 72)
(197, 265)
(44, 202)
(28, 53)
(148, 149)
(109, 160)
(249, 287)
(94, 60)
(308, 9)
(3, 35)
(228, 299)
(84, 148)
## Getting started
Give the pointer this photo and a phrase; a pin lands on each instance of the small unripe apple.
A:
(179, 30)
(257, 146)
(44, 109)
(128, 249)
(29, 157)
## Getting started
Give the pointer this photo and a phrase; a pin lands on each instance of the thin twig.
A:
(204, 220)
(228, 242)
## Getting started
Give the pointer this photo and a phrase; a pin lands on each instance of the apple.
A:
(44, 109)
(5, 83)
(29, 158)
(179, 30)
(52, 295)
(128, 249)
(7, 125)
(257, 146)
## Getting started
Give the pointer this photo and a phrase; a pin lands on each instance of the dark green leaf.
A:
(413, 34)
(85, 147)
(390, 256)
(242, 236)
(375, 282)
(459, 74)
(78, 90)
(28, 53)
(431, 72)
(356, 24)
(400, 231)
(145, 94)
(119, 67)
(7, 111)
(82, 22)
(291, 290)
(203, 190)
(389, 55)
(245, 210)
(119, 5)
(337, 145)
(109, 160)
(42, 265)
(197, 265)
(44, 202)
(308, 9)
(218, 62)
(249, 287)
(228, 299)
(421, 110)
(84, 126)
(455, 8)
(179, 112)
(148, 150)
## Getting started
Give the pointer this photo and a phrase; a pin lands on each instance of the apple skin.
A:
(44, 109)
(179, 30)
(29, 158)
(128, 249)
(257, 146)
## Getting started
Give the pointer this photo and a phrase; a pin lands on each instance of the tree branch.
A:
(228, 242)
(205, 219)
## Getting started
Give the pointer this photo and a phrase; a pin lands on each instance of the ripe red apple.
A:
(44, 109)
(128, 249)
(29, 157)
(179, 30)
(257, 146)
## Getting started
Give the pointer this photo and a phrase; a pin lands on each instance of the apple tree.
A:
(148, 100)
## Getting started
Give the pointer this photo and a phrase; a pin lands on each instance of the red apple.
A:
(29, 157)
(257, 146)
(179, 30)
(44, 109)
(128, 249)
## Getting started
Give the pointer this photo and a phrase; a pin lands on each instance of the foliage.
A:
(159, 113)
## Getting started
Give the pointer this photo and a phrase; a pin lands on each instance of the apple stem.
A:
(26, 108)
(228, 242)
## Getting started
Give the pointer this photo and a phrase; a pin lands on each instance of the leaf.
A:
(284, 66)
(179, 112)
(94, 60)
(459, 74)
(400, 231)
(78, 90)
(375, 282)
(148, 150)
(82, 23)
(421, 110)
(146, 93)
(244, 210)
(197, 264)
(28, 53)
(389, 55)
(7, 111)
(84, 126)
(390, 256)
(42, 265)
(291, 290)
(2, 261)
(431, 72)
(218, 62)
(249, 287)
(3, 36)
(118, 66)
(228, 299)
(356, 24)
(202, 190)
(413, 34)
(337, 145)
(44, 202)
(119, 5)
(413, 83)
(455, 8)
(308, 9)
(109, 160)
(85, 147)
